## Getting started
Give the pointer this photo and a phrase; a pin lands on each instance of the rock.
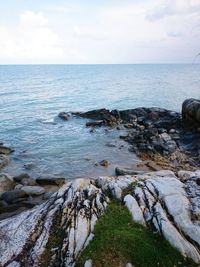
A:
(50, 181)
(13, 196)
(88, 263)
(134, 209)
(47, 195)
(128, 171)
(56, 231)
(64, 115)
(165, 204)
(129, 265)
(4, 160)
(94, 123)
(198, 181)
(28, 181)
(6, 182)
(33, 190)
(5, 150)
(191, 112)
(20, 177)
(104, 163)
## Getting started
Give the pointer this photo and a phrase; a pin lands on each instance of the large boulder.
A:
(191, 112)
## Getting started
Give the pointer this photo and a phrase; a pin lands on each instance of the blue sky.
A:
(89, 31)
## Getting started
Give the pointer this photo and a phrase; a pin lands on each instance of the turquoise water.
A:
(32, 96)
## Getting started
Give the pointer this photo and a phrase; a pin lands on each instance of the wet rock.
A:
(50, 181)
(33, 190)
(104, 163)
(20, 177)
(64, 115)
(5, 150)
(28, 166)
(6, 182)
(127, 171)
(13, 196)
(94, 123)
(4, 160)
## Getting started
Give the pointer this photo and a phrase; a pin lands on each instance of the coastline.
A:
(161, 138)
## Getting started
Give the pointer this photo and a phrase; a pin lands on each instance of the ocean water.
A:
(31, 96)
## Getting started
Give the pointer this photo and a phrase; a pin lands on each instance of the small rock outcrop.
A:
(191, 112)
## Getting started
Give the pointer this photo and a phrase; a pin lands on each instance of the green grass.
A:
(119, 240)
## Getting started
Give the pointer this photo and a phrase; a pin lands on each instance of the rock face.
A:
(163, 203)
(53, 233)
(191, 112)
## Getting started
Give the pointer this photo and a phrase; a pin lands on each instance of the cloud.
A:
(31, 39)
(132, 32)
(173, 7)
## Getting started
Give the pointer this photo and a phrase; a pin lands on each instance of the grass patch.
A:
(119, 240)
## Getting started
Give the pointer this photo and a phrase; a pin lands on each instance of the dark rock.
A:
(94, 123)
(127, 171)
(104, 163)
(198, 181)
(64, 115)
(20, 177)
(191, 112)
(13, 196)
(50, 181)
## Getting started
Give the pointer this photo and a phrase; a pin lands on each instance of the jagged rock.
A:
(6, 182)
(163, 202)
(5, 150)
(64, 115)
(4, 160)
(54, 232)
(94, 123)
(50, 181)
(33, 190)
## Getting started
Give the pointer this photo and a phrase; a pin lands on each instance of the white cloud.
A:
(138, 32)
(32, 39)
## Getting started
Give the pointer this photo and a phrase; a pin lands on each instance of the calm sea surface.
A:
(32, 96)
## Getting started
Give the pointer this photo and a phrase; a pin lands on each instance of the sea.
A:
(31, 96)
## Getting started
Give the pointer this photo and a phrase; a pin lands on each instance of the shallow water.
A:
(32, 96)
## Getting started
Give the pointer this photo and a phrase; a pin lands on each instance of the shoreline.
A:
(166, 142)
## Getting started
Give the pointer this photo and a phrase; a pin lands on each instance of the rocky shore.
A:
(50, 221)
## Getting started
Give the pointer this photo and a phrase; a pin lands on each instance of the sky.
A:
(99, 32)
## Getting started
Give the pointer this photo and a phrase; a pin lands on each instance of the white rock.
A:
(88, 263)
(134, 209)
